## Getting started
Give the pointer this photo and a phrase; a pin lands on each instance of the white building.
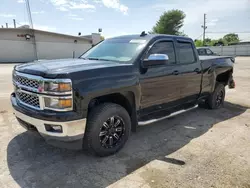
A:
(24, 45)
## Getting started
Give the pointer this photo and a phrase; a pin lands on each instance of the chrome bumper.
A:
(71, 130)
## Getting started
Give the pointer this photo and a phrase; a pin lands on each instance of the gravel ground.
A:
(199, 148)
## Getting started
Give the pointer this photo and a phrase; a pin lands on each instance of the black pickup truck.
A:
(96, 100)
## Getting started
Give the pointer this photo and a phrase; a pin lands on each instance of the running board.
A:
(141, 123)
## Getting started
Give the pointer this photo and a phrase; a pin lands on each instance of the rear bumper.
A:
(71, 136)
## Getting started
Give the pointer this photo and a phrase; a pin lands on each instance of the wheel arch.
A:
(224, 77)
(126, 99)
(220, 76)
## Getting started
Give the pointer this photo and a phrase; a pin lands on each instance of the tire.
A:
(100, 128)
(216, 99)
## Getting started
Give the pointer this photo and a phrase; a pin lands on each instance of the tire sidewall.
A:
(219, 88)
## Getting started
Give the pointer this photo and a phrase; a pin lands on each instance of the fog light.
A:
(53, 128)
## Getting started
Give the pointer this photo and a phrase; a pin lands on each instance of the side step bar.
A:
(141, 123)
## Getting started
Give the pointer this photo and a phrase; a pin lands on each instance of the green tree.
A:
(208, 41)
(219, 42)
(198, 43)
(231, 38)
(170, 22)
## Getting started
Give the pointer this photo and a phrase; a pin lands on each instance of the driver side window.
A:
(164, 47)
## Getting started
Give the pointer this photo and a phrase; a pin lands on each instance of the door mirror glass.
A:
(155, 60)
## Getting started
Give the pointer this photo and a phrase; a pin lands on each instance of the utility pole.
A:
(32, 29)
(6, 25)
(204, 29)
(29, 13)
(14, 22)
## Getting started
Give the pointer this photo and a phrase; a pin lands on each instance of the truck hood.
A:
(65, 67)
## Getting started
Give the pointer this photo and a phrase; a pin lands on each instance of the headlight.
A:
(57, 86)
(58, 103)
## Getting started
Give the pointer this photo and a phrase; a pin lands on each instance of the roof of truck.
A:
(149, 37)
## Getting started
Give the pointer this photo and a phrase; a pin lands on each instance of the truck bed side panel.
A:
(212, 67)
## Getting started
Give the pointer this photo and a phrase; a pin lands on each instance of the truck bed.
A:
(216, 59)
(204, 58)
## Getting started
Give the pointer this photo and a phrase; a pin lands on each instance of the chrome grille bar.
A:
(28, 99)
(30, 92)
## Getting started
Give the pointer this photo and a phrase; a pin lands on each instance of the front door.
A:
(160, 85)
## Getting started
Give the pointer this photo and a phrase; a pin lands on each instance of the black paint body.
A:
(149, 91)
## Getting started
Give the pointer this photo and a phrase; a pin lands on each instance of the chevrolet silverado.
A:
(94, 102)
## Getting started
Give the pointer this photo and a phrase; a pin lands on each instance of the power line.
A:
(228, 32)
(199, 36)
(18, 23)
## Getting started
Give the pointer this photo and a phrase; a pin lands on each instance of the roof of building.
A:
(48, 32)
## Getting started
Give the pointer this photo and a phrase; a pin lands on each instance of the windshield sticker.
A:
(138, 41)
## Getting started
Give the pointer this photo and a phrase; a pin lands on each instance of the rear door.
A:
(190, 71)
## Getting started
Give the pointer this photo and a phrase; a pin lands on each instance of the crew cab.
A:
(95, 101)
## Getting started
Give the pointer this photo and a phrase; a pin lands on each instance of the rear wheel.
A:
(108, 129)
(216, 99)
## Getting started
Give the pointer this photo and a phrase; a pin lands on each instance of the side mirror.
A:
(155, 60)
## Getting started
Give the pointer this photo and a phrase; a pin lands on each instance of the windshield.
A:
(120, 50)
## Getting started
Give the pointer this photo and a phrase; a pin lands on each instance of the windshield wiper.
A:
(93, 58)
(98, 59)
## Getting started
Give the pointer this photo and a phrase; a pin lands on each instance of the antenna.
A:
(143, 34)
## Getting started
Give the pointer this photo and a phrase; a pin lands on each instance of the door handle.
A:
(197, 70)
(175, 72)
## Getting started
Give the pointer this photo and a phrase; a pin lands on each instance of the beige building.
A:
(24, 45)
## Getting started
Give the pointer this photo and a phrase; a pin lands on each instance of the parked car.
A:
(205, 51)
(96, 100)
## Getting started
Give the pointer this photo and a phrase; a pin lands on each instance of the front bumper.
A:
(72, 133)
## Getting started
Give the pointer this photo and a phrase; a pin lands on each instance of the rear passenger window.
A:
(164, 47)
(201, 52)
(186, 53)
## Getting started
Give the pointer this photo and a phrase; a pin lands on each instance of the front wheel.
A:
(108, 129)
(216, 99)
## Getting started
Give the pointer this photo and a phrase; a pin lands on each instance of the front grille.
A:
(32, 100)
(26, 81)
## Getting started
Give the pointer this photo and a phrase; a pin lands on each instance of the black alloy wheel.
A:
(219, 99)
(216, 99)
(112, 131)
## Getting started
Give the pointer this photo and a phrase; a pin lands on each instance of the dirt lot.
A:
(199, 148)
